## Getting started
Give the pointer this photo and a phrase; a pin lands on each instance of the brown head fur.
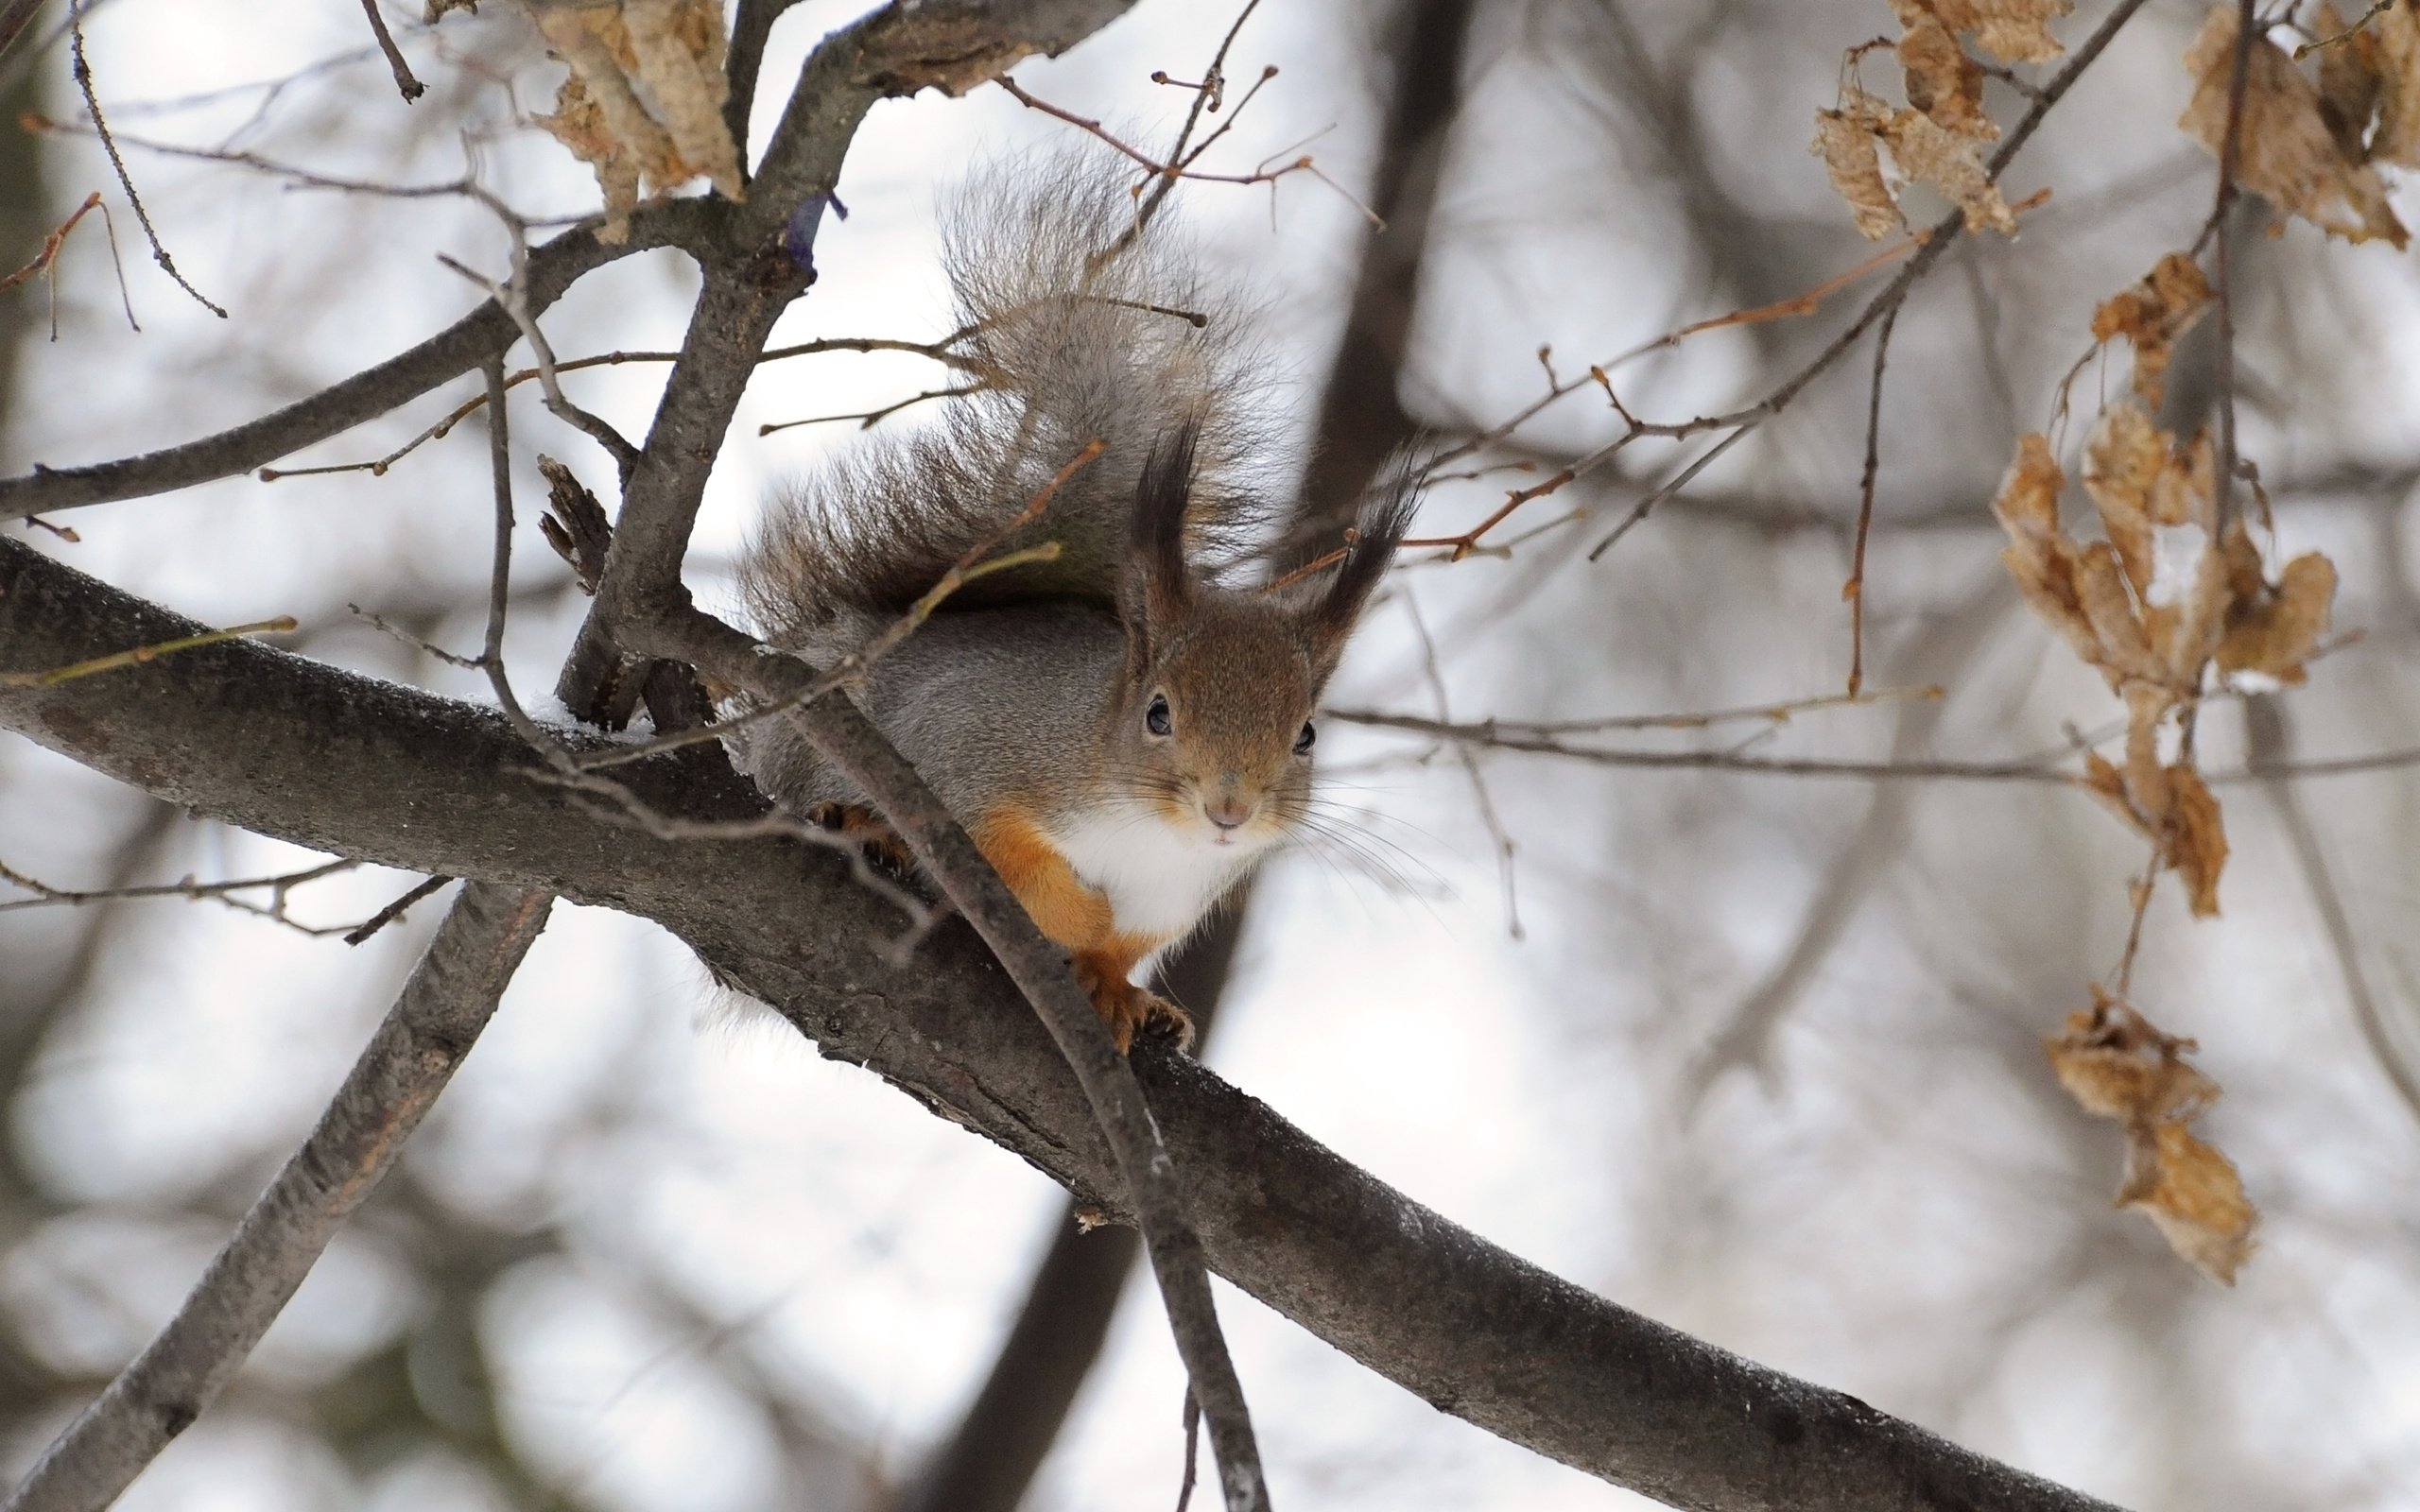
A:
(1212, 721)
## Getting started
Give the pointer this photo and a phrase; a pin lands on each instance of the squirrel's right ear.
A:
(1384, 517)
(1158, 588)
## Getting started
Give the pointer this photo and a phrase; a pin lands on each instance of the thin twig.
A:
(1938, 240)
(412, 88)
(1775, 714)
(1738, 424)
(1207, 96)
(279, 885)
(510, 296)
(1192, 1453)
(2221, 289)
(500, 581)
(377, 466)
(143, 655)
(1854, 589)
(868, 418)
(426, 648)
(1803, 304)
(1172, 171)
(393, 911)
(621, 806)
(365, 395)
(83, 72)
(2139, 892)
(2043, 768)
(2377, 9)
(51, 243)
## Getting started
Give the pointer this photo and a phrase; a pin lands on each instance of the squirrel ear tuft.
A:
(1377, 528)
(1161, 500)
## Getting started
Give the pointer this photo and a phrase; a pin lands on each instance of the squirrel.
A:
(1123, 729)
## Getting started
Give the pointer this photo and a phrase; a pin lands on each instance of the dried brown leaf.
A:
(2287, 154)
(1951, 163)
(2119, 1065)
(2014, 31)
(678, 46)
(2395, 55)
(2275, 632)
(2028, 503)
(2197, 838)
(1847, 140)
(2100, 588)
(2040, 558)
(2193, 1195)
(2121, 463)
(580, 125)
(1943, 82)
(2151, 315)
(2349, 73)
(643, 106)
(436, 8)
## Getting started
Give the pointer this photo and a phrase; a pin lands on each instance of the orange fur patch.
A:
(1062, 907)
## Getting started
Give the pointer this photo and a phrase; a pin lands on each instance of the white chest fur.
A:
(1160, 878)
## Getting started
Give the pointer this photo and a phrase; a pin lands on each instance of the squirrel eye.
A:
(1155, 718)
(1302, 741)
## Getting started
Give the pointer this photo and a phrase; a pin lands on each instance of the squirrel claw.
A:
(1127, 1008)
(863, 825)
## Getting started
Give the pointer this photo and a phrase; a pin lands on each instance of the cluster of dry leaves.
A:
(643, 103)
(2311, 147)
(2118, 1065)
(2168, 596)
(1873, 150)
(2173, 602)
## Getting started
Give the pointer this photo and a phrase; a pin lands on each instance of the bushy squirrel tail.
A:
(1078, 325)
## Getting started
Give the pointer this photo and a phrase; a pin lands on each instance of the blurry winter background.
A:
(1757, 1055)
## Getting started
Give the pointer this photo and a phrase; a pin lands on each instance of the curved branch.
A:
(244, 731)
(488, 330)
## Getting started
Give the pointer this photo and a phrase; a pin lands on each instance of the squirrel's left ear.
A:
(1158, 589)
(1378, 526)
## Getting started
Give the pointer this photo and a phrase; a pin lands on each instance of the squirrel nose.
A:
(1227, 810)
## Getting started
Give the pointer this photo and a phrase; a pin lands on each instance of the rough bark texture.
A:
(308, 753)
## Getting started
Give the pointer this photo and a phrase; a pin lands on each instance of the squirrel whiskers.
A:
(1122, 729)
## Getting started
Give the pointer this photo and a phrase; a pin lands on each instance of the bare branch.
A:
(83, 72)
(280, 887)
(411, 88)
(2042, 768)
(431, 1027)
(1854, 589)
(553, 267)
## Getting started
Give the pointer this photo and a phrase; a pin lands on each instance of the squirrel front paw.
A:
(872, 833)
(1128, 1009)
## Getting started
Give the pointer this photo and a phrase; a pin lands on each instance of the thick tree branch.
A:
(300, 750)
(443, 1007)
